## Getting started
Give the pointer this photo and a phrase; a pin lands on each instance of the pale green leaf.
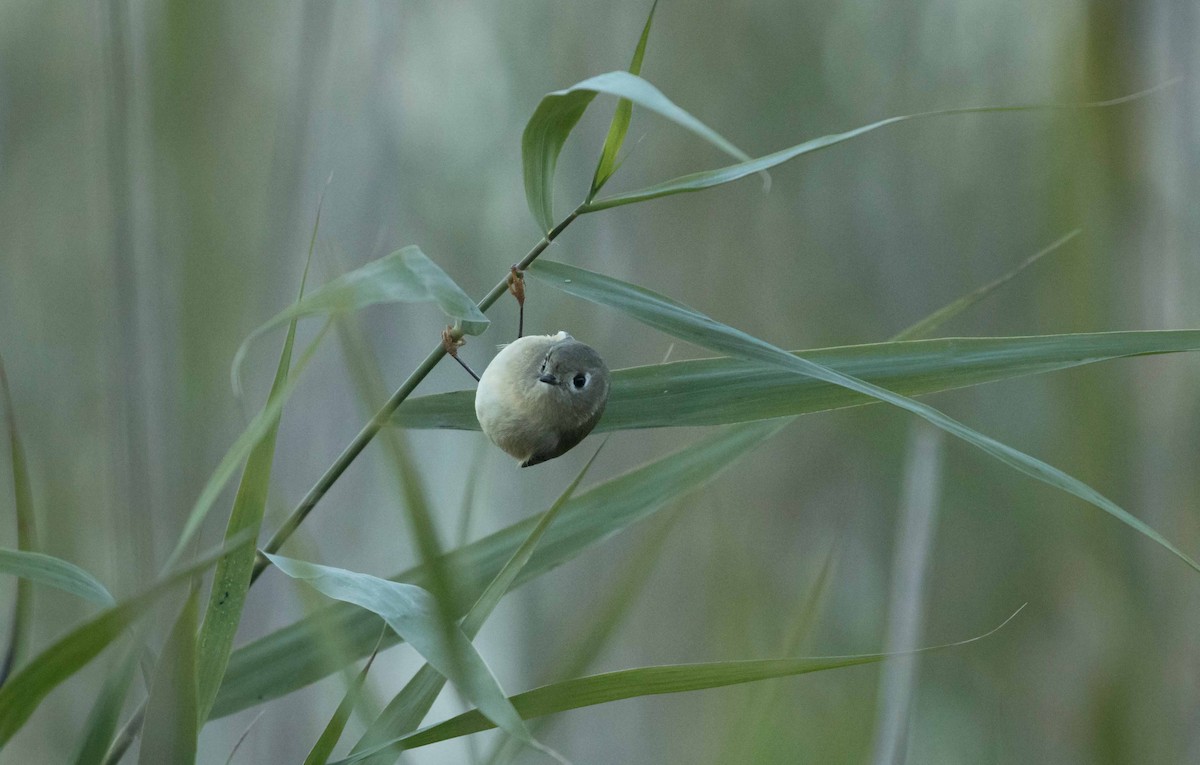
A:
(688, 324)
(171, 725)
(620, 121)
(405, 276)
(644, 681)
(106, 712)
(412, 613)
(559, 112)
(727, 390)
(23, 511)
(55, 572)
(707, 179)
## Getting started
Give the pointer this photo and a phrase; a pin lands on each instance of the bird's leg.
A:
(516, 285)
(452, 339)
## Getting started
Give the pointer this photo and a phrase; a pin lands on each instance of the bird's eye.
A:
(579, 381)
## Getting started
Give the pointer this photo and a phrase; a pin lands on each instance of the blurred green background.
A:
(160, 166)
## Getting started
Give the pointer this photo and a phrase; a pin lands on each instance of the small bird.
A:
(541, 395)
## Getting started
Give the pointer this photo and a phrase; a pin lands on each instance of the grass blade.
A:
(620, 121)
(231, 580)
(925, 327)
(412, 613)
(405, 276)
(685, 323)
(291, 658)
(708, 179)
(22, 621)
(172, 717)
(261, 424)
(727, 390)
(645, 681)
(409, 707)
(25, 690)
(56, 572)
(559, 112)
(323, 749)
(106, 713)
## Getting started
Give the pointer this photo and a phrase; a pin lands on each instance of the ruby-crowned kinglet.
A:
(541, 395)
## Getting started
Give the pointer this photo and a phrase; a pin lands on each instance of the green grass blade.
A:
(728, 390)
(261, 424)
(645, 681)
(22, 620)
(620, 121)
(559, 112)
(685, 323)
(25, 690)
(106, 712)
(56, 572)
(925, 327)
(405, 276)
(231, 580)
(291, 658)
(323, 749)
(412, 613)
(708, 179)
(172, 716)
(409, 707)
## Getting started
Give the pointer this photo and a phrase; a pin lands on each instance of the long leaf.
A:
(409, 707)
(686, 323)
(644, 681)
(620, 121)
(707, 179)
(558, 113)
(172, 717)
(727, 390)
(412, 613)
(405, 276)
(231, 580)
(925, 327)
(292, 658)
(106, 712)
(323, 749)
(22, 620)
(56, 572)
(25, 690)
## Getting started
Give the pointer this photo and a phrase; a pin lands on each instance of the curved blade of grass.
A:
(172, 716)
(620, 121)
(25, 690)
(647, 681)
(710, 178)
(930, 323)
(56, 572)
(411, 612)
(22, 620)
(323, 749)
(405, 276)
(688, 324)
(291, 658)
(406, 711)
(728, 390)
(106, 712)
(231, 580)
(259, 426)
(559, 112)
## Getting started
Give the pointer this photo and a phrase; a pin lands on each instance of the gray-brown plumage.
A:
(541, 396)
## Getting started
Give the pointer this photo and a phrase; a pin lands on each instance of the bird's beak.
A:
(548, 379)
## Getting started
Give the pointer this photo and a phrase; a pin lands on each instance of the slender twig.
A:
(381, 418)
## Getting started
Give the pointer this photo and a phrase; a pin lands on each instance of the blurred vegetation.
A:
(160, 170)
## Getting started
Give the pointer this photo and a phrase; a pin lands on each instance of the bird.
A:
(541, 395)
